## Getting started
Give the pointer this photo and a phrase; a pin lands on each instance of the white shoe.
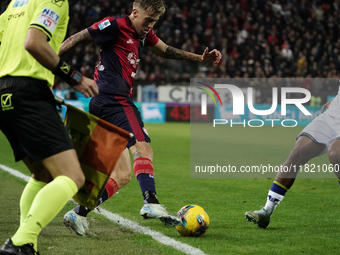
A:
(157, 211)
(75, 222)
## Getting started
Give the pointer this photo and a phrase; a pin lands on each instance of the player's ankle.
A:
(150, 197)
(269, 209)
(81, 210)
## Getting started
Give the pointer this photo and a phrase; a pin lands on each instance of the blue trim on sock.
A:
(277, 189)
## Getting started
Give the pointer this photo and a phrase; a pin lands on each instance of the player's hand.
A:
(326, 105)
(212, 56)
(87, 87)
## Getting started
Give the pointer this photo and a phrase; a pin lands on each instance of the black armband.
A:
(68, 73)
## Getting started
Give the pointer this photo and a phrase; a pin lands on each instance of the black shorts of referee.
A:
(29, 119)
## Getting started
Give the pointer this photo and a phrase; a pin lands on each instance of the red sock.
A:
(143, 169)
(142, 166)
(111, 188)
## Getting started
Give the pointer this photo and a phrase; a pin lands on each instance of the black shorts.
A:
(29, 119)
(122, 112)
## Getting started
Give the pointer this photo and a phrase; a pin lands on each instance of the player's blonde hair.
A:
(155, 7)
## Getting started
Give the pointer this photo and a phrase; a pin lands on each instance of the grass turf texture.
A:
(306, 222)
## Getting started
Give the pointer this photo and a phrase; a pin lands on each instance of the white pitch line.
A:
(134, 226)
(16, 173)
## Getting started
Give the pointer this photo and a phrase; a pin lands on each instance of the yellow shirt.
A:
(50, 16)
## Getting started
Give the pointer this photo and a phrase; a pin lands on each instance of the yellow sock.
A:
(46, 205)
(27, 197)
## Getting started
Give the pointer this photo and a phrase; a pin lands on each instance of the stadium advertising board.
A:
(177, 112)
(186, 94)
(152, 112)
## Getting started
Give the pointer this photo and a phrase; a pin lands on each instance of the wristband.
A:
(67, 73)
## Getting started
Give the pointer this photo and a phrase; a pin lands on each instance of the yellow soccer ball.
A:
(195, 221)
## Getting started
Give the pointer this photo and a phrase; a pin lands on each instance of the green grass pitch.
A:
(306, 222)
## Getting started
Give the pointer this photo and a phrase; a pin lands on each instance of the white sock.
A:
(273, 200)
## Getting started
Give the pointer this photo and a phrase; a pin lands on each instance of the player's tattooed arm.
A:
(76, 39)
(167, 51)
(174, 53)
(137, 154)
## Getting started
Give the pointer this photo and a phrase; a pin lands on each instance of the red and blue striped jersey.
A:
(119, 54)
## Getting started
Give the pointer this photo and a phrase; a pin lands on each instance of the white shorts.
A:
(323, 129)
(334, 107)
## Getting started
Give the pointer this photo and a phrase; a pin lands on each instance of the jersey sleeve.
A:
(104, 31)
(151, 38)
(49, 14)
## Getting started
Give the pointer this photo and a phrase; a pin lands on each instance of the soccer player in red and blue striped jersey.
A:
(120, 39)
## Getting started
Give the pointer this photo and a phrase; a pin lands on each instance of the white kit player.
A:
(320, 136)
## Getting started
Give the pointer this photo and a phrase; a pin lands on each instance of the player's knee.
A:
(334, 156)
(149, 153)
(142, 150)
(122, 175)
(296, 154)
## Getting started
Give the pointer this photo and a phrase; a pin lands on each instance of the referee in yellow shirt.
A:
(31, 32)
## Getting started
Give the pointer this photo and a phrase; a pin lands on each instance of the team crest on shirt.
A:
(132, 59)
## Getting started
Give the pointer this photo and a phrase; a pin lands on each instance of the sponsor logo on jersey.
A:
(16, 15)
(19, 3)
(104, 24)
(49, 19)
(129, 41)
(132, 59)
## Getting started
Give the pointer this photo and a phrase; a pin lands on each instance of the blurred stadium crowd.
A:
(257, 38)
